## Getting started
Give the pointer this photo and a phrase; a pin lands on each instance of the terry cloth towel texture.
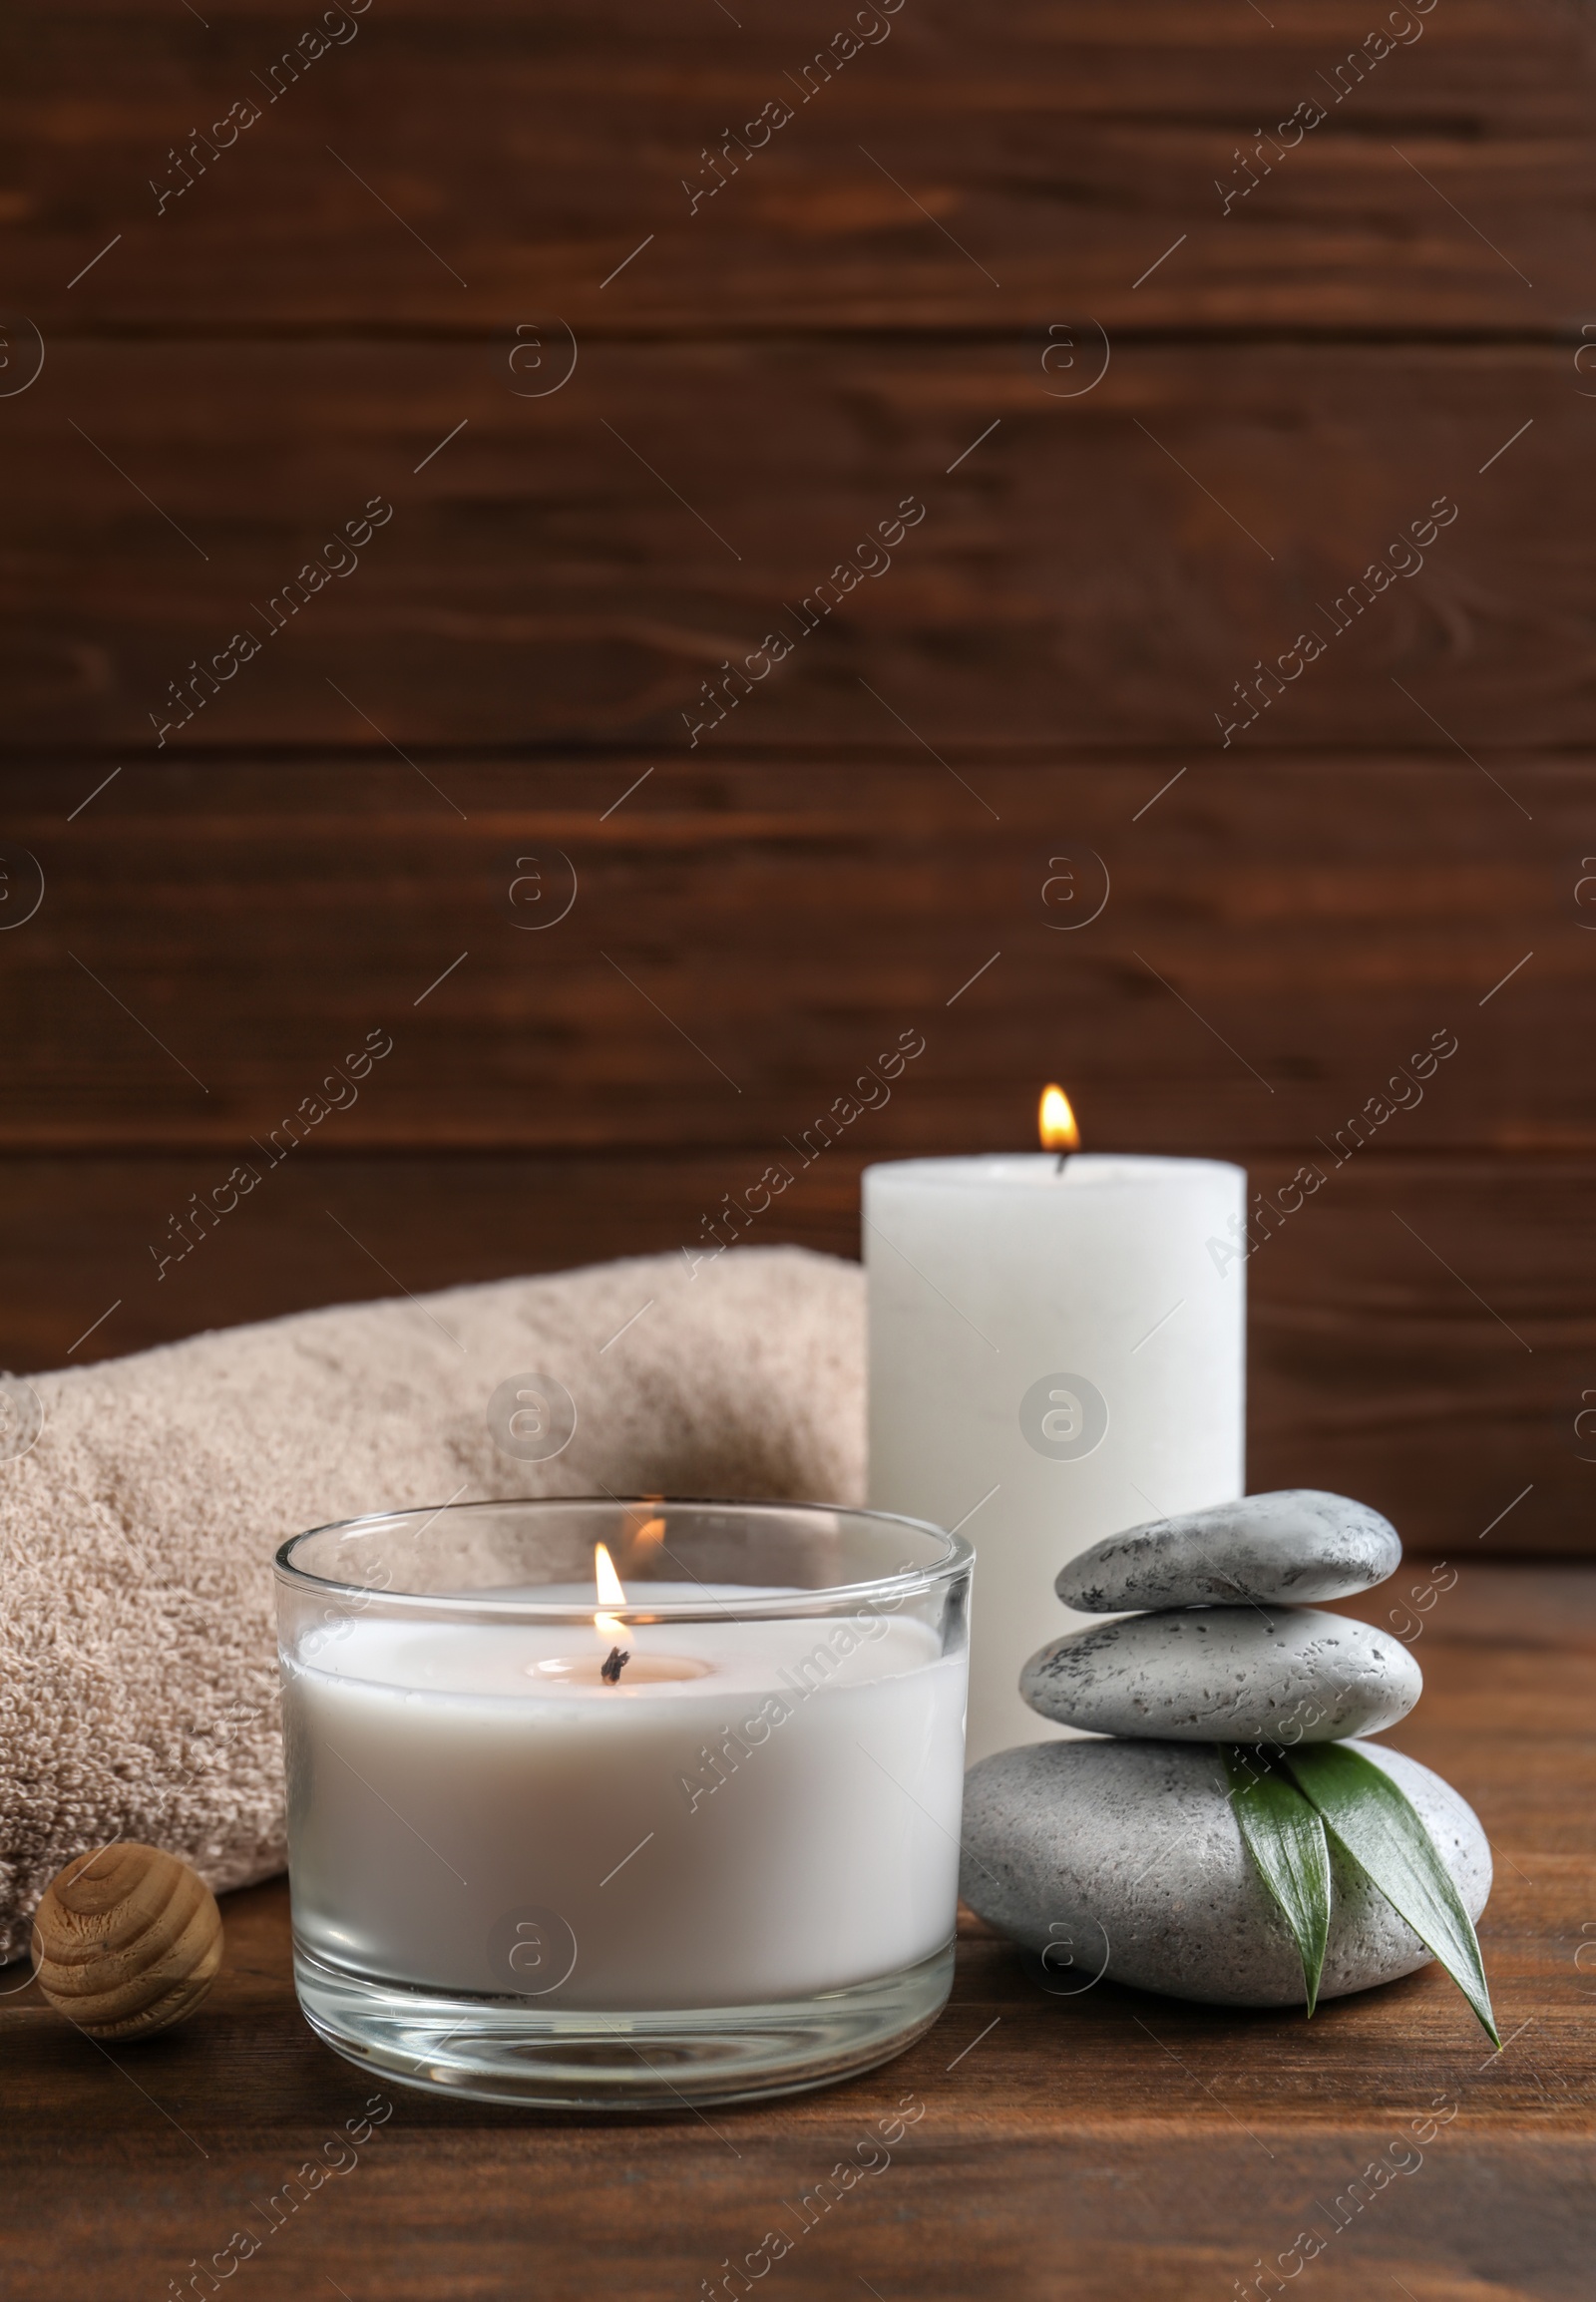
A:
(137, 1641)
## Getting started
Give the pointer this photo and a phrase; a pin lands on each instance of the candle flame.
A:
(610, 1592)
(1055, 1121)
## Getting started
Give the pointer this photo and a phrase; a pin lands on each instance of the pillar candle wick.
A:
(615, 1662)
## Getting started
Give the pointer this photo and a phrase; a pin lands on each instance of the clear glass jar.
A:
(691, 1835)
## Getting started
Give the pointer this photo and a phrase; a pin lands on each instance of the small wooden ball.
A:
(127, 1940)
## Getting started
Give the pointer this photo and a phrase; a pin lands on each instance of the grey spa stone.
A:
(1127, 1859)
(1299, 1546)
(1226, 1674)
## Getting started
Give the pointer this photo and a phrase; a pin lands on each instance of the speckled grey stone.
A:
(1127, 1857)
(1299, 1545)
(1226, 1674)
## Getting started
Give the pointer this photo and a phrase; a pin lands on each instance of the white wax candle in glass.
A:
(1057, 1351)
(554, 1830)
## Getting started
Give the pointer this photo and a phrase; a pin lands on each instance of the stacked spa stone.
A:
(1124, 1856)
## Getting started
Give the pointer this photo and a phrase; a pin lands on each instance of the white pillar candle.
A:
(1057, 1350)
(754, 1811)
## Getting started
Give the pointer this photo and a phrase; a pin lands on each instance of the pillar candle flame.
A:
(1055, 1121)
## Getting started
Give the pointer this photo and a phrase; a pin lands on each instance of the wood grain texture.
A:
(1043, 159)
(569, 571)
(1078, 2148)
(745, 938)
(1449, 1397)
(860, 314)
(128, 1941)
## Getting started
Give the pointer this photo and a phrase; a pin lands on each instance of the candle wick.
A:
(614, 1664)
(1064, 1162)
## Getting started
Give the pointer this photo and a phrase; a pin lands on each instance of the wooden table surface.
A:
(1103, 2146)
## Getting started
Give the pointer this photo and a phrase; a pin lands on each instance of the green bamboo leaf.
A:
(1383, 1834)
(1283, 1835)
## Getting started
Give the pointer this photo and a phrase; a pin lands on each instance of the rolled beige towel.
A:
(138, 1648)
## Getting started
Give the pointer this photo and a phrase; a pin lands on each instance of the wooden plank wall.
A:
(1051, 369)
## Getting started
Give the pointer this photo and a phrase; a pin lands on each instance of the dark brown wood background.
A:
(505, 675)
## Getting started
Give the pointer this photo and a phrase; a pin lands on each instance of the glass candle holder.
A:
(616, 1803)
